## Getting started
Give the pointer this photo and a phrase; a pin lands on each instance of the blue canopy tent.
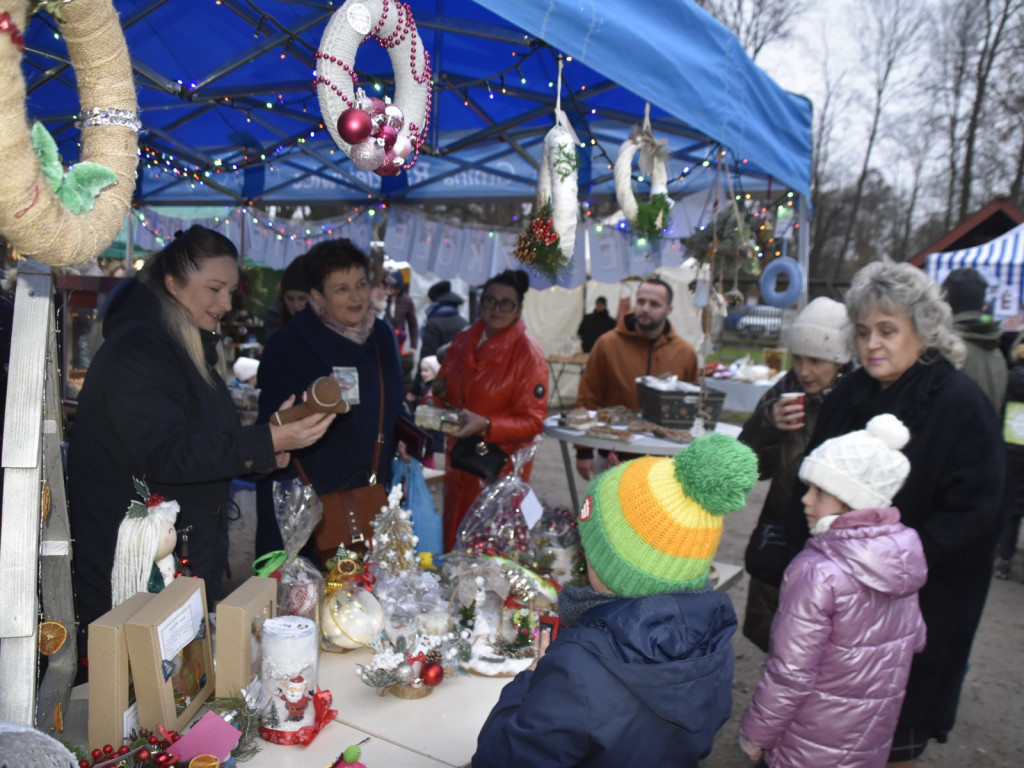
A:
(230, 116)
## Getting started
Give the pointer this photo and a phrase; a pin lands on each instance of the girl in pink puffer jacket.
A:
(848, 623)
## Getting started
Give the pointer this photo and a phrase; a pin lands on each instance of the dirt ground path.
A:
(990, 725)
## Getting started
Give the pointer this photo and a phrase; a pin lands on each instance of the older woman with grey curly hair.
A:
(908, 351)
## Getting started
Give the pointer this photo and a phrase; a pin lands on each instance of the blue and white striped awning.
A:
(1000, 260)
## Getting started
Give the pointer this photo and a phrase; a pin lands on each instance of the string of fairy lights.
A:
(508, 80)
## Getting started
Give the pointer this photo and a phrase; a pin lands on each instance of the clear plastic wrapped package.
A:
(300, 587)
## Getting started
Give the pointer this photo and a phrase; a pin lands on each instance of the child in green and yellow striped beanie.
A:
(641, 671)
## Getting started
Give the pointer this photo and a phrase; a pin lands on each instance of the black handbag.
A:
(473, 455)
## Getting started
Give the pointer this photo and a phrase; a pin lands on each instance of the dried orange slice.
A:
(58, 716)
(204, 761)
(44, 502)
(52, 635)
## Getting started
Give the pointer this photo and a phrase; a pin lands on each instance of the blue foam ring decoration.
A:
(783, 265)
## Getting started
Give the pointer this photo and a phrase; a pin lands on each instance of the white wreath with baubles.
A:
(379, 135)
(653, 163)
(557, 181)
(32, 218)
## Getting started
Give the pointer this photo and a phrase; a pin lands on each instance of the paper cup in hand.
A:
(794, 398)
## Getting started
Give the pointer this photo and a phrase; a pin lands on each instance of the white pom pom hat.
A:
(862, 469)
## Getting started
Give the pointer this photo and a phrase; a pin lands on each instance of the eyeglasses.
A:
(505, 305)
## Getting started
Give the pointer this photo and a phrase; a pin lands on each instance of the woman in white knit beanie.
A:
(778, 431)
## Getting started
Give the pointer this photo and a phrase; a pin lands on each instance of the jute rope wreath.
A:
(377, 135)
(32, 218)
(646, 219)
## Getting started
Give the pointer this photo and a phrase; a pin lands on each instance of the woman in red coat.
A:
(496, 375)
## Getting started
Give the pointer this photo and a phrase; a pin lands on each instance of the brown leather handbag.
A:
(349, 512)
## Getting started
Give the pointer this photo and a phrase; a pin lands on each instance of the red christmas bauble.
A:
(377, 106)
(389, 134)
(431, 673)
(97, 754)
(83, 764)
(108, 749)
(124, 750)
(354, 125)
(142, 755)
(388, 167)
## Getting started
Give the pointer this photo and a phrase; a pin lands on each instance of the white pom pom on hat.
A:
(889, 430)
(863, 469)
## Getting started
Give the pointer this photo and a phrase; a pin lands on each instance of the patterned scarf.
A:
(355, 333)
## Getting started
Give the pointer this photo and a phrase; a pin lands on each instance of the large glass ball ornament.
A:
(351, 618)
(354, 125)
(367, 155)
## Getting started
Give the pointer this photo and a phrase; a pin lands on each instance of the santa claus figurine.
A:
(296, 698)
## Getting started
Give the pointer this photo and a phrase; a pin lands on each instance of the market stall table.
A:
(559, 365)
(646, 445)
(741, 396)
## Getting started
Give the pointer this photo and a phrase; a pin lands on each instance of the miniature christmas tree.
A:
(394, 542)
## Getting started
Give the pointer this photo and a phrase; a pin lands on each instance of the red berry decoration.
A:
(154, 740)
(124, 750)
(142, 755)
(83, 764)
(354, 125)
(97, 753)
(108, 749)
(431, 673)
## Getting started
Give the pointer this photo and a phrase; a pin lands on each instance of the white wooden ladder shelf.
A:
(35, 543)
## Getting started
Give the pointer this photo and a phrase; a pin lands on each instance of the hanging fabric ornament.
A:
(391, 24)
(646, 219)
(557, 181)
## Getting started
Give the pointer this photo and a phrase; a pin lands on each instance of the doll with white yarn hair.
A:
(144, 557)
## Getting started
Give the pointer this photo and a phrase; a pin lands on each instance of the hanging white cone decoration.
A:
(645, 219)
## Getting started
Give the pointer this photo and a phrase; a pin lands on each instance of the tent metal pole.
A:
(803, 246)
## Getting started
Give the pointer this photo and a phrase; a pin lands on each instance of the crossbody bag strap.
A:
(379, 445)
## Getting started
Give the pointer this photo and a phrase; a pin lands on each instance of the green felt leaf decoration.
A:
(138, 509)
(82, 184)
(49, 158)
(77, 188)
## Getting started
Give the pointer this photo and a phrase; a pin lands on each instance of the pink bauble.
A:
(395, 116)
(377, 106)
(403, 146)
(391, 166)
(354, 125)
(389, 134)
(368, 154)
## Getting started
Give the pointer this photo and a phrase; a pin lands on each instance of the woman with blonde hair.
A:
(153, 407)
(909, 353)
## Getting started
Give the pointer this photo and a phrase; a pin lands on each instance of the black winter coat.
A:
(952, 498)
(443, 322)
(145, 412)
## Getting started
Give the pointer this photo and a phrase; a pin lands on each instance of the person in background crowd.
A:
(402, 313)
(1013, 435)
(965, 292)
(908, 351)
(443, 318)
(496, 375)
(849, 621)
(643, 343)
(292, 295)
(336, 329)
(595, 324)
(641, 671)
(778, 430)
(153, 408)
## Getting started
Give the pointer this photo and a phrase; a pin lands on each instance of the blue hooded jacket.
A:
(634, 681)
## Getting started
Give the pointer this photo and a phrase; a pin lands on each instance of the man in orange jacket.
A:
(641, 344)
